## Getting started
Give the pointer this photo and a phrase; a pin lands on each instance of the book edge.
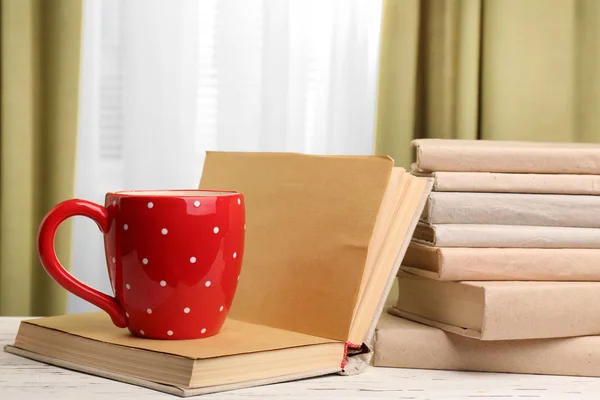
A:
(178, 391)
(356, 363)
(399, 257)
(385, 158)
(466, 332)
(421, 248)
(421, 272)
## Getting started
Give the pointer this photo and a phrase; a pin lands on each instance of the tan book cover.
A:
(512, 209)
(506, 156)
(501, 264)
(296, 313)
(508, 310)
(401, 343)
(498, 182)
(507, 236)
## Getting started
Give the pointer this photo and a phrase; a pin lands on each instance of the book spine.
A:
(423, 258)
(513, 209)
(417, 346)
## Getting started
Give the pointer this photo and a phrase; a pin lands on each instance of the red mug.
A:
(174, 258)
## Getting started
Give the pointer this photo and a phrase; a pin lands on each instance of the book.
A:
(456, 155)
(512, 209)
(508, 236)
(501, 264)
(498, 182)
(507, 310)
(313, 283)
(401, 343)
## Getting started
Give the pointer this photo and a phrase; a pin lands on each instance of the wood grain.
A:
(23, 379)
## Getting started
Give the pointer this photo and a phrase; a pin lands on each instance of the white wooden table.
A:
(22, 379)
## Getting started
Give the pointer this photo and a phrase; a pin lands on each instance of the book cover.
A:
(315, 311)
(501, 264)
(401, 343)
(498, 182)
(507, 310)
(507, 236)
(457, 155)
(513, 209)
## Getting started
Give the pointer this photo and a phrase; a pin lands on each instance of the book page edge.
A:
(181, 392)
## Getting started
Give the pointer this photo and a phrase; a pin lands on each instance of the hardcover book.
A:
(507, 236)
(324, 240)
(505, 310)
(512, 209)
(501, 264)
(498, 182)
(456, 155)
(401, 343)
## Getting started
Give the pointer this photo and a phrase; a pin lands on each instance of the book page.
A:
(410, 203)
(385, 218)
(310, 220)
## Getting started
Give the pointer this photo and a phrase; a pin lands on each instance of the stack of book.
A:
(503, 271)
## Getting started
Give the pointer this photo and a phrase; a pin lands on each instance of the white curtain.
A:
(163, 81)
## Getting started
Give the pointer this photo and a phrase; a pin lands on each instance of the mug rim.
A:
(173, 193)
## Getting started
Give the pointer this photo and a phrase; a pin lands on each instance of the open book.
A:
(324, 240)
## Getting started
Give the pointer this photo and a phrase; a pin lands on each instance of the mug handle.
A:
(53, 267)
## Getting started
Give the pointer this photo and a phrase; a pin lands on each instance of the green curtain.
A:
(40, 58)
(488, 69)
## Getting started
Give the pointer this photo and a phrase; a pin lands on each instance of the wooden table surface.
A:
(22, 379)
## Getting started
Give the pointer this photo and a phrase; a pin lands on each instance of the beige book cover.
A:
(401, 343)
(497, 182)
(501, 264)
(508, 310)
(458, 155)
(509, 236)
(578, 211)
(315, 311)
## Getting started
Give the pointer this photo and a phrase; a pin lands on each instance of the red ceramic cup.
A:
(174, 258)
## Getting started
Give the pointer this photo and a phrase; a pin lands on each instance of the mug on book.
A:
(173, 257)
